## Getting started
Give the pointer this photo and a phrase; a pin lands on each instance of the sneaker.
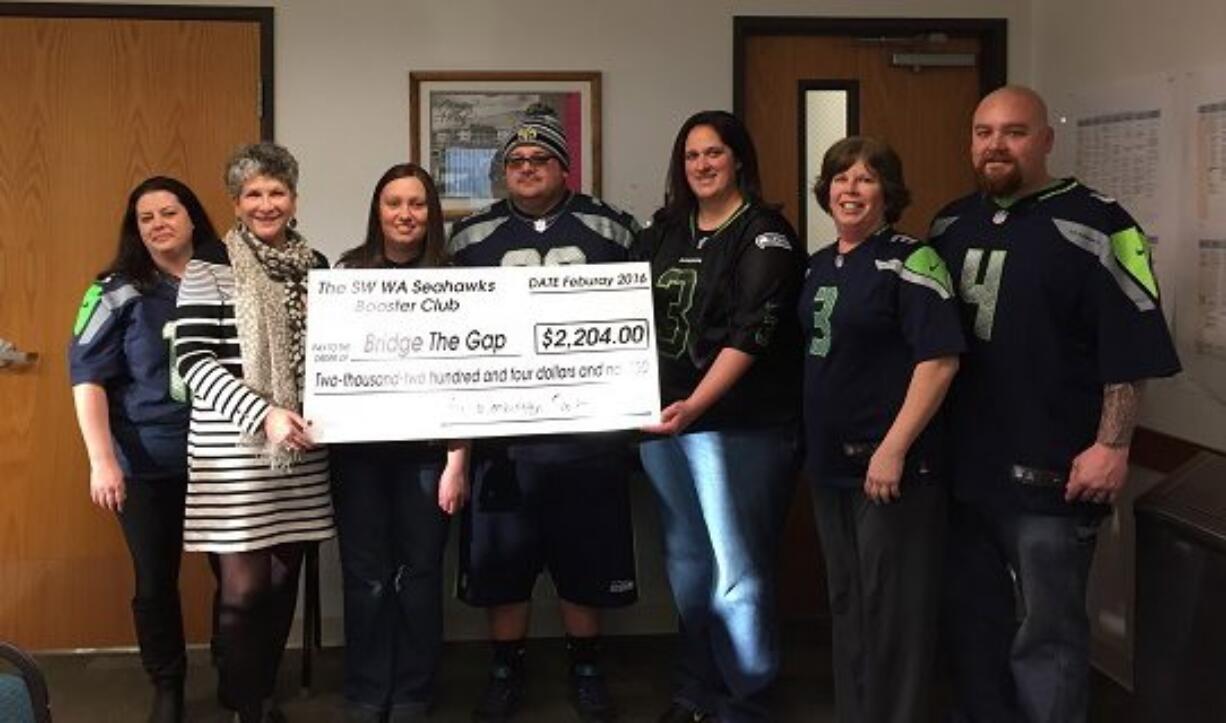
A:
(679, 713)
(589, 694)
(502, 696)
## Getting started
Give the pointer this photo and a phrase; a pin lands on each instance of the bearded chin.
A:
(1001, 186)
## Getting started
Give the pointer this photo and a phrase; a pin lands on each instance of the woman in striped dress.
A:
(257, 488)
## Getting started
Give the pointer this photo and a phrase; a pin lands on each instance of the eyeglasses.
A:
(536, 161)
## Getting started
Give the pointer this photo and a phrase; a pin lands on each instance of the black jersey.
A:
(580, 230)
(734, 287)
(869, 316)
(1058, 299)
(121, 342)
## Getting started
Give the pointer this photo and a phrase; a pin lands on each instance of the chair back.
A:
(23, 697)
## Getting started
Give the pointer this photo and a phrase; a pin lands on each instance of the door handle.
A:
(10, 355)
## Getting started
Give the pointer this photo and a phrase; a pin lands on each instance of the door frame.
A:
(992, 33)
(263, 16)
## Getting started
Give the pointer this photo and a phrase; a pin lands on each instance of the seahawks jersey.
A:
(736, 287)
(580, 230)
(121, 341)
(1058, 298)
(869, 316)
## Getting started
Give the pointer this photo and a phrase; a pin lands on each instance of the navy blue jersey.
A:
(733, 287)
(580, 230)
(121, 341)
(1058, 298)
(869, 316)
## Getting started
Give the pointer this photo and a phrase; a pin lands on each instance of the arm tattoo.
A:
(1120, 405)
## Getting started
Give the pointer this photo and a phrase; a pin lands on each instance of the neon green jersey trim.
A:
(1131, 249)
(924, 261)
(90, 302)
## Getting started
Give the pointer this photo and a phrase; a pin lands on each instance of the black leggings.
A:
(258, 594)
(152, 522)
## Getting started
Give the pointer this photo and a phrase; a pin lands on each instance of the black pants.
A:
(152, 522)
(883, 569)
(392, 534)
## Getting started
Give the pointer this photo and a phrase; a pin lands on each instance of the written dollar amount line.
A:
(592, 336)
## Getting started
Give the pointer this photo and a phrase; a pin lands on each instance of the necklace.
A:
(699, 242)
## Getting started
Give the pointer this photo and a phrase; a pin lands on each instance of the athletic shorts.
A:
(570, 517)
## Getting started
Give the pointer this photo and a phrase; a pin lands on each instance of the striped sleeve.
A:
(206, 347)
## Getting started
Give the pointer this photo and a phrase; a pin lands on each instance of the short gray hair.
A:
(261, 159)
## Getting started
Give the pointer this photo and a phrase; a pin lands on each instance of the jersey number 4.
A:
(981, 287)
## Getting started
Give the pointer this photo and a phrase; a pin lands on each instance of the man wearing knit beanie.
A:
(540, 127)
(557, 502)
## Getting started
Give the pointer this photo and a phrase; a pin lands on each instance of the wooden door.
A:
(924, 114)
(88, 108)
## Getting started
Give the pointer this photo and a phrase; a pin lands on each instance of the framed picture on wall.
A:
(458, 121)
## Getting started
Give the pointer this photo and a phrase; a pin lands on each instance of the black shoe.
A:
(273, 713)
(678, 713)
(590, 695)
(502, 696)
(361, 714)
(167, 705)
(407, 715)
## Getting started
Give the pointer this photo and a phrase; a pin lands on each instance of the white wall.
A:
(1076, 44)
(342, 77)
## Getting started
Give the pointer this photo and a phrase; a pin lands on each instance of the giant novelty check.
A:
(455, 353)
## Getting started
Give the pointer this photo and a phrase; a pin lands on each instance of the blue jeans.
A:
(723, 497)
(392, 533)
(1019, 653)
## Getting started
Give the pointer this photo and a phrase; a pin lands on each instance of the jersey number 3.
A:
(981, 287)
(823, 306)
(679, 284)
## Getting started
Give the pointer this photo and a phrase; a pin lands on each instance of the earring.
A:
(293, 222)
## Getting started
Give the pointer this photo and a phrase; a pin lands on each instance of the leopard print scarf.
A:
(270, 311)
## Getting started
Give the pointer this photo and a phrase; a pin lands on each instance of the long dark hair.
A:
(679, 201)
(370, 253)
(132, 259)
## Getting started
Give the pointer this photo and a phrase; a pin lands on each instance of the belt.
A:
(1035, 477)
